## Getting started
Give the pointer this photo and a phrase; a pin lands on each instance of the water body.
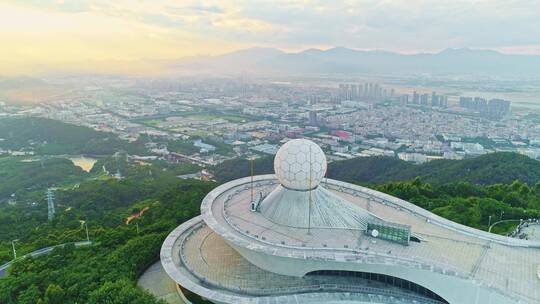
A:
(85, 163)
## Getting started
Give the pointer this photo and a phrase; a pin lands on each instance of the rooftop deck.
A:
(204, 262)
(507, 265)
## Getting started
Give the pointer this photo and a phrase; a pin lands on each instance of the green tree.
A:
(55, 295)
(514, 199)
(121, 292)
(30, 296)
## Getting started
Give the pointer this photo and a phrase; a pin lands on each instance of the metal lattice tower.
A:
(50, 204)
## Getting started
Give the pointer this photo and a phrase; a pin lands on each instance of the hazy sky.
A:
(129, 36)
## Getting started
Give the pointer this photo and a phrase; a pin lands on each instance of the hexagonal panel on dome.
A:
(300, 164)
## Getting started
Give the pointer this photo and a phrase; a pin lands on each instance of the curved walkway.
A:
(156, 281)
(204, 264)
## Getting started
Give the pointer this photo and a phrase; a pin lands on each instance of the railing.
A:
(403, 205)
(374, 196)
(388, 259)
(278, 291)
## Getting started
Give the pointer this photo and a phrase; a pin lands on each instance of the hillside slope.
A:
(49, 137)
(483, 170)
(487, 169)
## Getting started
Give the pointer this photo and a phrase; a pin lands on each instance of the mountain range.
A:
(340, 60)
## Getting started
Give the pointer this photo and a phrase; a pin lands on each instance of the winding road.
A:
(4, 268)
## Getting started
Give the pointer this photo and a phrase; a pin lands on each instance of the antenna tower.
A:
(251, 173)
(310, 190)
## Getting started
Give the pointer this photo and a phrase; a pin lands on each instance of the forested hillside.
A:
(483, 170)
(47, 136)
(18, 175)
(471, 191)
(469, 204)
(236, 168)
(105, 272)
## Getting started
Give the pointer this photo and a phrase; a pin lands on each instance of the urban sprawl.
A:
(225, 119)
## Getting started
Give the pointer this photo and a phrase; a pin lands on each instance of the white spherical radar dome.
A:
(300, 164)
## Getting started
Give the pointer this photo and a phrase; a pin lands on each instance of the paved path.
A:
(158, 283)
(39, 252)
(3, 270)
(154, 279)
(532, 232)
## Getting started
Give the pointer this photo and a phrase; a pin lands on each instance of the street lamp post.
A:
(87, 235)
(14, 251)
(85, 224)
(489, 223)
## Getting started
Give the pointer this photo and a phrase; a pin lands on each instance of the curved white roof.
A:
(453, 250)
(273, 238)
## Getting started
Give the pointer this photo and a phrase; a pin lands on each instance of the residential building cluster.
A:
(493, 108)
(207, 122)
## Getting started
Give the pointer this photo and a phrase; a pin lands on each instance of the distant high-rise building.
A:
(416, 98)
(404, 99)
(314, 100)
(376, 92)
(313, 118)
(495, 108)
(443, 101)
(424, 99)
(335, 99)
(434, 100)
(480, 104)
(354, 91)
(465, 102)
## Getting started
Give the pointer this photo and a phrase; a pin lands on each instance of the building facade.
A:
(298, 237)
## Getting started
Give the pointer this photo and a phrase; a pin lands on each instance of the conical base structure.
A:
(292, 208)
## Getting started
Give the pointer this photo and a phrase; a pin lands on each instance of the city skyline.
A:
(132, 37)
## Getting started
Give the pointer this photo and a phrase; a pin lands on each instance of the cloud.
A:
(402, 25)
(205, 8)
(71, 30)
(43, 40)
(395, 25)
(58, 5)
